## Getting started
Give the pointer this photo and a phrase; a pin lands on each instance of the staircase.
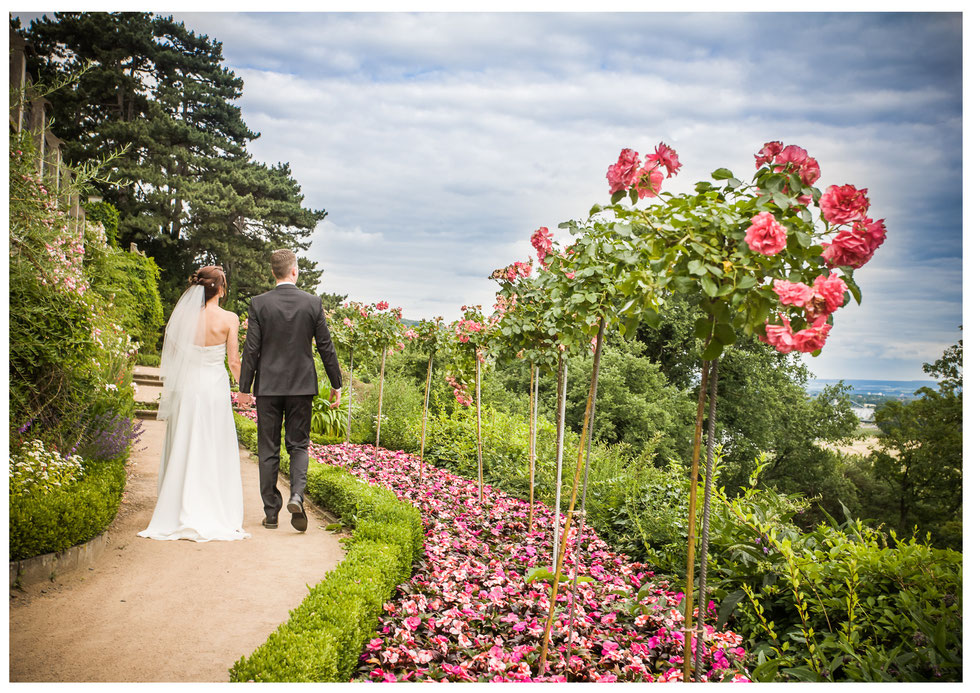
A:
(148, 389)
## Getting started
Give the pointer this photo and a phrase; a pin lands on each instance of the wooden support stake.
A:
(589, 403)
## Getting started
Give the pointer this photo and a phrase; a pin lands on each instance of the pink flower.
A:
(382, 305)
(809, 173)
(832, 290)
(853, 247)
(541, 240)
(792, 155)
(622, 174)
(570, 275)
(812, 338)
(413, 622)
(348, 323)
(844, 203)
(766, 235)
(649, 179)
(874, 230)
(780, 337)
(792, 293)
(767, 153)
(666, 157)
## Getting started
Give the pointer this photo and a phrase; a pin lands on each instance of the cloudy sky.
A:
(439, 142)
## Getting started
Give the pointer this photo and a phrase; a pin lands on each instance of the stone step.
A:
(142, 379)
(145, 413)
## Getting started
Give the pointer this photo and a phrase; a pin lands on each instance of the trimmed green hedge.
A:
(325, 635)
(66, 517)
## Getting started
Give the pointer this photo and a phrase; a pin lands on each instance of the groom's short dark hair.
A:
(282, 261)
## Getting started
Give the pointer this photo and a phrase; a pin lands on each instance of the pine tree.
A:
(193, 195)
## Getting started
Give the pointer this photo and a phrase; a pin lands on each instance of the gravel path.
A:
(167, 610)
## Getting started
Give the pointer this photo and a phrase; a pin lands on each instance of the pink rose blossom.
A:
(792, 155)
(832, 290)
(792, 293)
(382, 305)
(541, 240)
(780, 337)
(649, 180)
(843, 203)
(809, 172)
(767, 153)
(666, 157)
(854, 246)
(812, 338)
(622, 174)
(570, 275)
(766, 235)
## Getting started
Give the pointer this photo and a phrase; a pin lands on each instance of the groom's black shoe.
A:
(270, 522)
(295, 506)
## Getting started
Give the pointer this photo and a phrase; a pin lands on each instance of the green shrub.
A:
(325, 635)
(148, 359)
(106, 214)
(842, 602)
(68, 516)
(130, 282)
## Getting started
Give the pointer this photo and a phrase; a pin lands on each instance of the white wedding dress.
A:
(199, 485)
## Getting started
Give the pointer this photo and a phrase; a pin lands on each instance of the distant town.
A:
(866, 395)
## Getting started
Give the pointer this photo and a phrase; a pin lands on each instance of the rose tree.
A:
(751, 252)
(429, 337)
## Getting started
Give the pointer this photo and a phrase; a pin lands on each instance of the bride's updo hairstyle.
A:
(212, 278)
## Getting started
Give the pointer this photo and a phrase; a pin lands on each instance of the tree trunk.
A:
(381, 389)
(691, 523)
(586, 428)
(533, 433)
(350, 393)
(560, 443)
(578, 535)
(706, 517)
(479, 427)
(425, 412)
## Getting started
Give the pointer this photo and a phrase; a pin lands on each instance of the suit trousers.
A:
(273, 410)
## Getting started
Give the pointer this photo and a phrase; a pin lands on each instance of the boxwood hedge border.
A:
(324, 636)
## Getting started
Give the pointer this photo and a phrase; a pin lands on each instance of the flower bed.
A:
(470, 614)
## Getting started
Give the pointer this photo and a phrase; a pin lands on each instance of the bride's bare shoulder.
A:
(230, 316)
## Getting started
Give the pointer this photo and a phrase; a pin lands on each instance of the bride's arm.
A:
(234, 360)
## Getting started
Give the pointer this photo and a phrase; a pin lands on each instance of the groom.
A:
(282, 324)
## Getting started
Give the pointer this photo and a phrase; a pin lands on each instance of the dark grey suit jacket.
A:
(282, 325)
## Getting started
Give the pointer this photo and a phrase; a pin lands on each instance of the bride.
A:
(199, 488)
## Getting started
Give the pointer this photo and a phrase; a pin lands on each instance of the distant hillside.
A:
(888, 389)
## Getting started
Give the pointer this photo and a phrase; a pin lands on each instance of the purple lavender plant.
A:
(110, 436)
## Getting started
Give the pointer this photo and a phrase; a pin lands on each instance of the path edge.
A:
(30, 571)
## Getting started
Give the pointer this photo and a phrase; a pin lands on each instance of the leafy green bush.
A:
(107, 215)
(841, 602)
(147, 359)
(325, 635)
(129, 282)
(66, 516)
